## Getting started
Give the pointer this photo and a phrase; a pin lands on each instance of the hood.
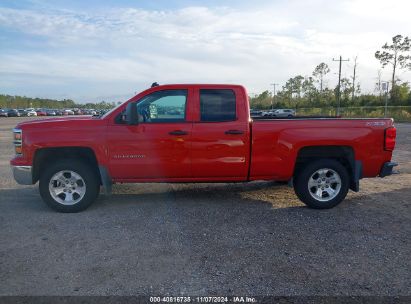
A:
(60, 122)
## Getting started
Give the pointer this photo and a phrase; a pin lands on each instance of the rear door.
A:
(220, 135)
(158, 148)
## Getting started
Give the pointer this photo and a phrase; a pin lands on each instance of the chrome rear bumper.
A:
(23, 174)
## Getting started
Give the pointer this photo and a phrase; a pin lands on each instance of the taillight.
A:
(389, 138)
(18, 141)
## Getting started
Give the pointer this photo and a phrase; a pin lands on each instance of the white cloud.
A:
(129, 48)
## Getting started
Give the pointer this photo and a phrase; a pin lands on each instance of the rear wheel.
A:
(69, 185)
(322, 184)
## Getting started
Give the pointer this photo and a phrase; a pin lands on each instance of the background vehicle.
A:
(50, 112)
(41, 112)
(31, 112)
(58, 112)
(256, 113)
(22, 112)
(89, 112)
(211, 139)
(68, 112)
(268, 113)
(279, 113)
(283, 113)
(101, 112)
(77, 111)
(13, 113)
(3, 113)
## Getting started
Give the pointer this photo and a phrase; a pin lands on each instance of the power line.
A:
(339, 84)
(272, 100)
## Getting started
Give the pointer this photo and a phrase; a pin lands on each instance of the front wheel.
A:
(322, 184)
(69, 185)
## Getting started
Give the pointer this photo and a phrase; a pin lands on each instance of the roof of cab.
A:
(199, 85)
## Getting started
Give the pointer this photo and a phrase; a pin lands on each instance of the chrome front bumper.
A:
(23, 174)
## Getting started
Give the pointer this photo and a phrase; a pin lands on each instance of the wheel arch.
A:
(43, 156)
(343, 154)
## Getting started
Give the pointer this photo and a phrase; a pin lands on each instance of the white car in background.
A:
(267, 113)
(283, 113)
(68, 112)
(31, 112)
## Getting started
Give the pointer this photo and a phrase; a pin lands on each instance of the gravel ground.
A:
(208, 239)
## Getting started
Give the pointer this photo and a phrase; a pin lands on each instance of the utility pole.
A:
(339, 84)
(272, 101)
(378, 84)
(385, 85)
(353, 79)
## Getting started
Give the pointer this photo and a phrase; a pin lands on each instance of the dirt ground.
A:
(208, 239)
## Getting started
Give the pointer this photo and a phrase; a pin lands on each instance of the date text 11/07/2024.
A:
(203, 299)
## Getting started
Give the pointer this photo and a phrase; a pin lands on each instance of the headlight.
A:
(18, 141)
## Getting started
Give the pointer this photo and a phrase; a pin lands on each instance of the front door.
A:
(158, 148)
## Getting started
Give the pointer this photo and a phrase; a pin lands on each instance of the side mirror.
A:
(131, 114)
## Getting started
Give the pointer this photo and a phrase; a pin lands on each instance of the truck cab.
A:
(193, 131)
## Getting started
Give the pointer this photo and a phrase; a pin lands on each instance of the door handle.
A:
(178, 132)
(234, 132)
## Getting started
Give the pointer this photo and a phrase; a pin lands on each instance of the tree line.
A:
(313, 91)
(22, 102)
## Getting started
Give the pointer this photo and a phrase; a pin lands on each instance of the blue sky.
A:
(108, 50)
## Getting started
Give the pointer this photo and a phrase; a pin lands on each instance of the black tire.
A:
(302, 178)
(86, 172)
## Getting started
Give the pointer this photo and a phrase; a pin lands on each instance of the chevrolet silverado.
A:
(198, 133)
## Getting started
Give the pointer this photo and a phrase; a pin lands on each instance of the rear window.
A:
(217, 105)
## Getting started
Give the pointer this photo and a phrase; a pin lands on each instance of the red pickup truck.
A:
(198, 133)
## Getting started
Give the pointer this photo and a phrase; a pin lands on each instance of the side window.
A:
(217, 105)
(163, 106)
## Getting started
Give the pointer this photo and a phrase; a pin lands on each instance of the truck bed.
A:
(277, 142)
(294, 117)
